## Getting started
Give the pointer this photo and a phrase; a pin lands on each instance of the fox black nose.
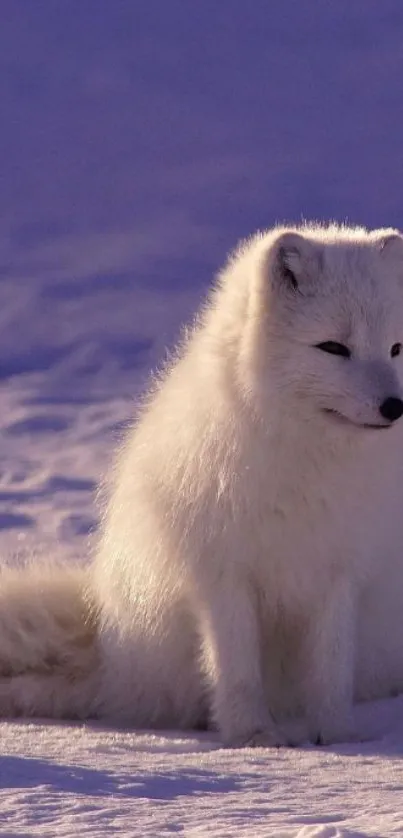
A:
(391, 409)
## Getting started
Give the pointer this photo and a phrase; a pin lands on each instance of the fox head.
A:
(326, 309)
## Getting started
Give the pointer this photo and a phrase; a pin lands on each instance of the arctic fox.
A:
(249, 568)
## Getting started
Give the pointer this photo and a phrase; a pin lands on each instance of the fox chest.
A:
(307, 537)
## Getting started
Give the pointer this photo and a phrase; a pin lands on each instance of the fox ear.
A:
(392, 244)
(295, 260)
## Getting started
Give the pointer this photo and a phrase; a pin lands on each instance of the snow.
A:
(81, 779)
(139, 141)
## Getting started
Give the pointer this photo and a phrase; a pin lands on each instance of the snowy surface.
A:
(68, 780)
(139, 140)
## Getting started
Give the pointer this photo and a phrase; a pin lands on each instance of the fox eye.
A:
(396, 350)
(334, 348)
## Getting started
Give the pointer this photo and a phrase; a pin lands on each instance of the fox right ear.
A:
(295, 260)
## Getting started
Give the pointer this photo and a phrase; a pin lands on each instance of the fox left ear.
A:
(392, 243)
(295, 260)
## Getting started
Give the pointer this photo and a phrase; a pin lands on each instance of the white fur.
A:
(48, 650)
(249, 568)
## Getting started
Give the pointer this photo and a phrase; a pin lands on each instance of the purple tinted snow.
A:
(140, 141)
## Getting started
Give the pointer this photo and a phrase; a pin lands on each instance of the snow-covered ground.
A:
(71, 780)
(139, 140)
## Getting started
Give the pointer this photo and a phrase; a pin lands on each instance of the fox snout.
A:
(391, 408)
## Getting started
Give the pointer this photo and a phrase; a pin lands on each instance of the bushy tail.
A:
(48, 652)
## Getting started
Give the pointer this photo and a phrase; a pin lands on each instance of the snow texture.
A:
(139, 141)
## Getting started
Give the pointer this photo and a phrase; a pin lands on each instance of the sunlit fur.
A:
(249, 569)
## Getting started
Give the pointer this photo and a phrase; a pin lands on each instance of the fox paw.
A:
(266, 738)
(334, 736)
